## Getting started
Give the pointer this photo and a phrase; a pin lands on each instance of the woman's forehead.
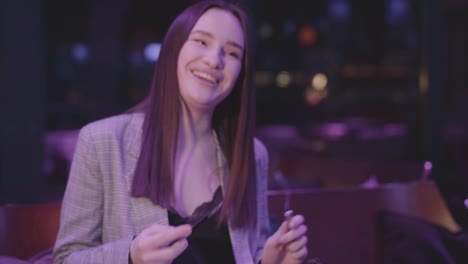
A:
(220, 23)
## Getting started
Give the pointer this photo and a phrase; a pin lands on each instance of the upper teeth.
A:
(205, 76)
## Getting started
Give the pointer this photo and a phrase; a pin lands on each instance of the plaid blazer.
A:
(99, 218)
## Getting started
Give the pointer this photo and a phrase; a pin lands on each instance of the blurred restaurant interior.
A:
(358, 101)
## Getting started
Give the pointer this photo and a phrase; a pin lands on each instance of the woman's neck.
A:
(194, 128)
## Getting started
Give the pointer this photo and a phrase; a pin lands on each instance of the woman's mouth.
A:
(205, 76)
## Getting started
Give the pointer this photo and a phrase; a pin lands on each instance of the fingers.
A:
(159, 229)
(300, 255)
(170, 252)
(158, 236)
(295, 239)
(293, 234)
(170, 235)
(288, 244)
(159, 243)
(298, 244)
(283, 229)
(296, 221)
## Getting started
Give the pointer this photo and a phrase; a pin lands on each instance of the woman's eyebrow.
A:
(208, 34)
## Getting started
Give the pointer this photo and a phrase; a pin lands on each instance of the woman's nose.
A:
(215, 58)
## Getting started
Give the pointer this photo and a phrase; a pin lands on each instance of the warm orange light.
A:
(307, 35)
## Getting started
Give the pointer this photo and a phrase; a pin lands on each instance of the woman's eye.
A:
(201, 42)
(234, 55)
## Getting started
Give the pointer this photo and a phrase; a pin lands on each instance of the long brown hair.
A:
(233, 121)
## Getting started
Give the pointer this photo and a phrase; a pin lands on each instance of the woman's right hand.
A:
(159, 244)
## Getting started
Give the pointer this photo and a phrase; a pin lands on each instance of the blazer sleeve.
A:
(79, 237)
(262, 230)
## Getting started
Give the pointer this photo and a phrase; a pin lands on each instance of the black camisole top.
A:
(209, 241)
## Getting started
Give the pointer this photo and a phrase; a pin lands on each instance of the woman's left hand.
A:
(288, 245)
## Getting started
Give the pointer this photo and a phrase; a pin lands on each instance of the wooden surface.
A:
(343, 173)
(28, 229)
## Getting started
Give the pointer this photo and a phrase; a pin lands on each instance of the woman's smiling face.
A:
(210, 60)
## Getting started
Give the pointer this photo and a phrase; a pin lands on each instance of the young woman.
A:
(181, 179)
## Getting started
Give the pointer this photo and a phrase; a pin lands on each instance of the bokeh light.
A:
(283, 79)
